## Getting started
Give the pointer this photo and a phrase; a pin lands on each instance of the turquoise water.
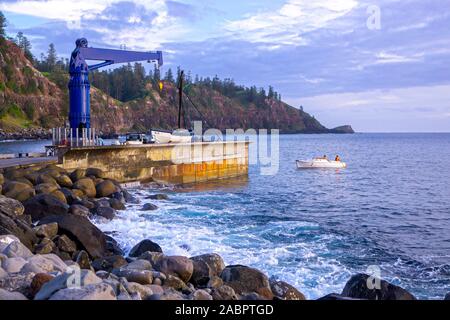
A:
(315, 228)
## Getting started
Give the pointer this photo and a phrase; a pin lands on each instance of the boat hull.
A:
(321, 163)
(175, 137)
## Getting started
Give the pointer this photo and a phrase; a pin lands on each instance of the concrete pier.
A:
(169, 163)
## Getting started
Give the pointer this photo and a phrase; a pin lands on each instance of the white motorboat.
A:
(136, 139)
(176, 136)
(320, 163)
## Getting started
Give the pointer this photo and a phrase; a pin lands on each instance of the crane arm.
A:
(111, 56)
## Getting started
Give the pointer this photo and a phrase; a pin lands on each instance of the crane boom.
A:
(79, 86)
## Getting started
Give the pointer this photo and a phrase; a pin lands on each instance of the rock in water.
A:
(80, 228)
(144, 246)
(79, 210)
(44, 205)
(285, 291)
(158, 196)
(10, 207)
(116, 204)
(245, 280)
(148, 207)
(105, 189)
(106, 212)
(358, 287)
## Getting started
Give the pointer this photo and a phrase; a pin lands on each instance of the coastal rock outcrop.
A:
(144, 246)
(245, 280)
(357, 287)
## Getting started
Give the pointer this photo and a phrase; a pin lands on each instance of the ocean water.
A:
(390, 209)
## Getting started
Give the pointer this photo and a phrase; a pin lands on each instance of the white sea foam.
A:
(183, 226)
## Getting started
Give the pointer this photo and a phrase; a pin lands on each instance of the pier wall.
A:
(170, 163)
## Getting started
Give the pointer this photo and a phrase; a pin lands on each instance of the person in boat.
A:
(337, 159)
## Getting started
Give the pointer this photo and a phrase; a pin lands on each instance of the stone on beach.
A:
(105, 189)
(8, 295)
(46, 188)
(79, 210)
(17, 249)
(285, 291)
(179, 266)
(98, 173)
(206, 266)
(100, 291)
(109, 263)
(138, 276)
(83, 231)
(10, 207)
(77, 174)
(38, 281)
(144, 246)
(47, 230)
(224, 293)
(64, 181)
(245, 280)
(87, 186)
(12, 265)
(44, 205)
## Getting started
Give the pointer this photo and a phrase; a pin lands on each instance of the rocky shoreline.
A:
(26, 134)
(50, 249)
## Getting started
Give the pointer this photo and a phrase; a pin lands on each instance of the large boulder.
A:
(100, 291)
(10, 207)
(95, 172)
(178, 266)
(224, 293)
(60, 196)
(17, 190)
(105, 212)
(46, 178)
(19, 228)
(79, 210)
(82, 231)
(206, 266)
(44, 205)
(44, 263)
(245, 280)
(285, 291)
(105, 189)
(87, 186)
(144, 246)
(363, 286)
(19, 282)
(77, 174)
(8, 295)
(64, 181)
(70, 279)
(45, 188)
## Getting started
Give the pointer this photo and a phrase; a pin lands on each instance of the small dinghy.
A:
(320, 163)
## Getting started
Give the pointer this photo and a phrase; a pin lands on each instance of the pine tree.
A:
(52, 57)
(169, 76)
(3, 24)
(25, 45)
(270, 94)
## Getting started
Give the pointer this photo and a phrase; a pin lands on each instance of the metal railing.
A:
(79, 137)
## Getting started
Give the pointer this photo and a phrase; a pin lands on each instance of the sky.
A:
(380, 66)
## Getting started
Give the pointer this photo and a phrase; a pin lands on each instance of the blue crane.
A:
(79, 87)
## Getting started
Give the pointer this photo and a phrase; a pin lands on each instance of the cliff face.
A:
(31, 100)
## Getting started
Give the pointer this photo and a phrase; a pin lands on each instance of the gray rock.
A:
(144, 246)
(116, 204)
(70, 280)
(214, 282)
(10, 207)
(100, 291)
(91, 238)
(44, 205)
(12, 265)
(357, 287)
(83, 260)
(105, 188)
(149, 207)
(5, 240)
(179, 266)
(19, 282)
(79, 210)
(47, 230)
(44, 263)
(201, 295)
(176, 284)
(109, 263)
(138, 276)
(65, 244)
(156, 289)
(285, 291)
(158, 196)
(152, 257)
(134, 288)
(3, 273)
(106, 212)
(45, 246)
(245, 280)
(17, 249)
(139, 264)
(7, 295)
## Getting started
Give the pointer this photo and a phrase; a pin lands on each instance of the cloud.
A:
(290, 22)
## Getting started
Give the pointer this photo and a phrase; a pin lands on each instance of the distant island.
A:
(34, 97)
